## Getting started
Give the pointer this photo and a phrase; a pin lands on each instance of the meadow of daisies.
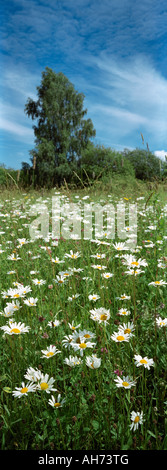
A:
(83, 329)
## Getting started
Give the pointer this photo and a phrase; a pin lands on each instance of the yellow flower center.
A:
(128, 330)
(103, 317)
(136, 420)
(15, 330)
(24, 390)
(82, 345)
(123, 297)
(157, 282)
(124, 312)
(49, 354)
(120, 338)
(143, 361)
(44, 386)
(125, 384)
(87, 335)
(56, 405)
(135, 263)
(16, 295)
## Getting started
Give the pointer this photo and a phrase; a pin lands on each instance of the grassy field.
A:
(83, 324)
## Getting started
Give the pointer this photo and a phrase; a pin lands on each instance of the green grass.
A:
(96, 414)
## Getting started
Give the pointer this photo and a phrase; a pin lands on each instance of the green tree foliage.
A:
(61, 130)
(145, 164)
(98, 162)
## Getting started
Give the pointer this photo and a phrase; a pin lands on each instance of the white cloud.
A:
(133, 98)
(161, 154)
(22, 132)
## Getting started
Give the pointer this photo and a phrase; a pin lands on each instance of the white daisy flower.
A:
(107, 275)
(130, 260)
(54, 323)
(93, 297)
(85, 334)
(15, 328)
(98, 256)
(161, 322)
(10, 309)
(127, 328)
(124, 297)
(101, 315)
(125, 382)
(15, 305)
(13, 257)
(38, 282)
(98, 266)
(57, 260)
(73, 297)
(136, 418)
(33, 375)
(120, 336)
(157, 283)
(67, 341)
(134, 272)
(46, 384)
(72, 361)
(24, 390)
(56, 403)
(50, 352)
(124, 311)
(143, 361)
(72, 255)
(93, 362)
(82, 346)
(60, 279)
(120, 246)
(72, 327)
(31, 302)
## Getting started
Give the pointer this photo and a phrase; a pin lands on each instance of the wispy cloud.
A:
(17, 129)
(112, 51)
(133, 98)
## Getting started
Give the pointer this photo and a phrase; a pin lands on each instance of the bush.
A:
(102, 163)
(8, 178)
(146, 165)
(2, 177)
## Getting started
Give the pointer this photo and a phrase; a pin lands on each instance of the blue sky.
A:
(114, 51)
